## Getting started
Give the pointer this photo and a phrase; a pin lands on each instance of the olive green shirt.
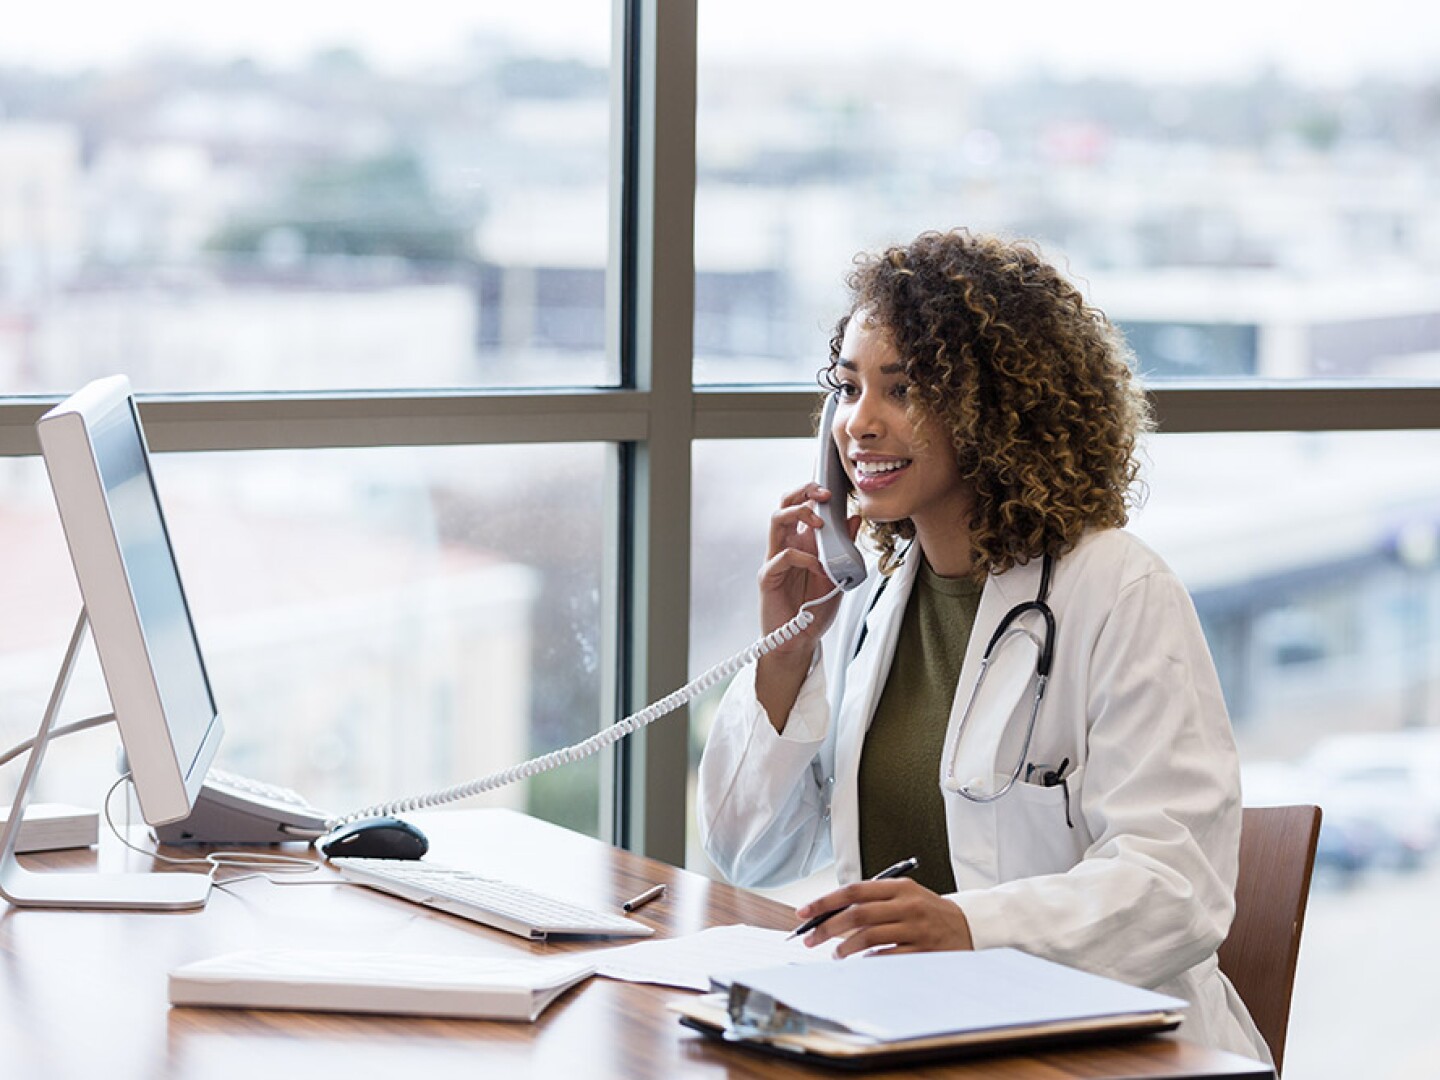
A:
(902, 811)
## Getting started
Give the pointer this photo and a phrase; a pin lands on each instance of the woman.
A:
(987, 420)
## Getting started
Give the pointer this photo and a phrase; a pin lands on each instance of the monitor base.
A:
(83, 891)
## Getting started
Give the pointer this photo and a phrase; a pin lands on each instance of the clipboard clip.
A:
(756, 1015)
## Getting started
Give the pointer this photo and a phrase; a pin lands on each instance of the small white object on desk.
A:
(508, 988)
(54, 827)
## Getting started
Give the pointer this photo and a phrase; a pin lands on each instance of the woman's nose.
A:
(866, 417)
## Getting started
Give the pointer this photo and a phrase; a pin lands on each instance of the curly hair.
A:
(1033, 385)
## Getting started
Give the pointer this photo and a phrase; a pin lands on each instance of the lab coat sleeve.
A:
(1153, 894)
(762, 801)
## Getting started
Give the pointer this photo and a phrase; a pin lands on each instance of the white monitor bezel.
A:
(165, 786)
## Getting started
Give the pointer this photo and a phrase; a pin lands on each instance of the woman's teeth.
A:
(875, 468)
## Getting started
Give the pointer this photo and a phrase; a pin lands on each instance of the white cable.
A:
(601, 739)
(64, 729)
(215, 860)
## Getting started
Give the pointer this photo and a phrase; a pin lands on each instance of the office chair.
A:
(1277, 854)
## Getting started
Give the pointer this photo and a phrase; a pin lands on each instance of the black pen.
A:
(900, 869)
(644, 898)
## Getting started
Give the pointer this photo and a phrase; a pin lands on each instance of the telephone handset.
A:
(838, 553)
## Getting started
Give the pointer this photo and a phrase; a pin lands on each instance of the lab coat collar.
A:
(1018, 584)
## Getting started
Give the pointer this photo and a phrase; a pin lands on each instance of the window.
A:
(1244, 200)
(330, 201)
(376, 622)
(269, 220)
(1255, 208)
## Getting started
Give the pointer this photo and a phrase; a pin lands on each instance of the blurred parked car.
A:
(1379, 794)
(1382, 785)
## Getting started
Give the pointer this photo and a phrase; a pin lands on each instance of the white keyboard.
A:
(512, 908)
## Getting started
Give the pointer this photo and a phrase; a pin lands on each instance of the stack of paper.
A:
(919, 1005)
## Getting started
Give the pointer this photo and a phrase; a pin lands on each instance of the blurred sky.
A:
(1314, 39)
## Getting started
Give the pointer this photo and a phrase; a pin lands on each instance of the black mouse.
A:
(375, 838)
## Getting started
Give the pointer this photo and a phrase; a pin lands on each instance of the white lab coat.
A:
(1141, 889)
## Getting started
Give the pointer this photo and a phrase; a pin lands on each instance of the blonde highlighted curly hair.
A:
(1033, 385)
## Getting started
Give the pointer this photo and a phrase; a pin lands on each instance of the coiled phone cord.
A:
(601, 739)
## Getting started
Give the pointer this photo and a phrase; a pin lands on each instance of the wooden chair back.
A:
(1277, 855)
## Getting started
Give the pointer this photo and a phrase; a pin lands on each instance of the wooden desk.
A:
(83, 994)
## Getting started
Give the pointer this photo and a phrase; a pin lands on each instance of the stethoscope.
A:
(1011, 628)
(1008, 628)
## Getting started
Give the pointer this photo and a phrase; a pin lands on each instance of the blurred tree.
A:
(380, 205)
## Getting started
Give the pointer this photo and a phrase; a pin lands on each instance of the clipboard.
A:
(882, 1011)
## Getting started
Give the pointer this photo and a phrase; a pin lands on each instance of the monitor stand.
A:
(124, 891)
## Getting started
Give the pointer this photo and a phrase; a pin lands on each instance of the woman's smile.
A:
(875, 473)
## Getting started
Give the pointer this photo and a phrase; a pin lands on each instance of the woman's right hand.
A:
(792, 575)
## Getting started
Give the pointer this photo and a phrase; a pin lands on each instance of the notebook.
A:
(509, 988)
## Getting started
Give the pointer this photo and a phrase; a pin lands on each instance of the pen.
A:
(900, 869)
(644, 898)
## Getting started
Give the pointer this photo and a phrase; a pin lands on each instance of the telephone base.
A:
(211, 823)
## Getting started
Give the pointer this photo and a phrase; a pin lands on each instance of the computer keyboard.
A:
(505, 906)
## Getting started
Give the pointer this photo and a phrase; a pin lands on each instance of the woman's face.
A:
(900, 468)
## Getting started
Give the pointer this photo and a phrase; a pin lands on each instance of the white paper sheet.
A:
(692, 961)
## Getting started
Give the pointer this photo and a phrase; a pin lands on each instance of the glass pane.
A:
(729, 516)
(1244, 199)
(376, 623)
(307, 197)
(1314, 563)
(1317, 577)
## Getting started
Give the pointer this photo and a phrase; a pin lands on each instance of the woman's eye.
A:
(900, 391)
(846, 391)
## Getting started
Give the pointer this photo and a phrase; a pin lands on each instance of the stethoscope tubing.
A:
(1043, 662)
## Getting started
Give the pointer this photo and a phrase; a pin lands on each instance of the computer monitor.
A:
(134, 602)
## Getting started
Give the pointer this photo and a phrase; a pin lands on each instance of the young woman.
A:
(987, 420)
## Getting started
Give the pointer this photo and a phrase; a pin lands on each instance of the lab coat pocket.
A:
(1031, 834)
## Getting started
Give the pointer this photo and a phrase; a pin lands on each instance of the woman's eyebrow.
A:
(885, 369)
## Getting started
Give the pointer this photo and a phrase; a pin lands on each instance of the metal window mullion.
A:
(263, 422)
(726, 413)
(656, 331)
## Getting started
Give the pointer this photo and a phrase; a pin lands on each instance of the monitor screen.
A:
(99, 467)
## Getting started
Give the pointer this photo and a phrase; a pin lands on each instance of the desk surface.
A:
(83, 994)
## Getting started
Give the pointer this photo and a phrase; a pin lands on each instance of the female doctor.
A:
(1021, 696)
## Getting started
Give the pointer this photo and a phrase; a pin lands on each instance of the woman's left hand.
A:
(899, 913)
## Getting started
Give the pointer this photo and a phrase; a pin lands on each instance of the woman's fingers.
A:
(796, 517)
(898, 913)
(779, 568)
(807, 493)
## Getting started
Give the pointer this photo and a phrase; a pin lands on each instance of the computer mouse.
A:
(375, 838)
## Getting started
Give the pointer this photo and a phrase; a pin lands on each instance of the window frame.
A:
(657, 413)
